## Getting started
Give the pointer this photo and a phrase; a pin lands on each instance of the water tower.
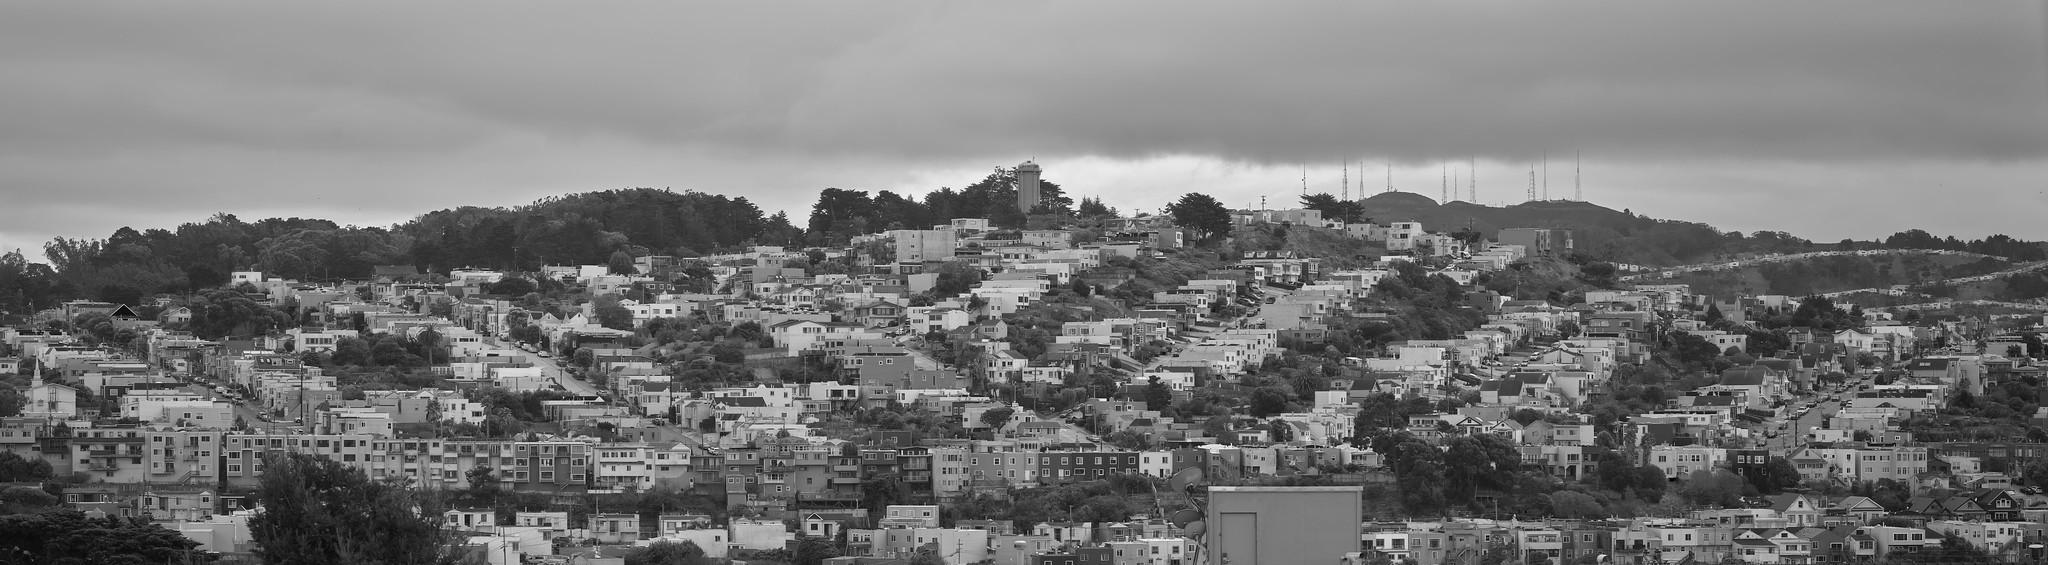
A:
(1027, 187)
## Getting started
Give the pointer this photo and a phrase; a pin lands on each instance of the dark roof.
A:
(748, 401)
(1713, 400)
(1928, 364)
(1744, 376)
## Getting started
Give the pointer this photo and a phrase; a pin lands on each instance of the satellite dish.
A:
(1181, 518)
(1195, 529)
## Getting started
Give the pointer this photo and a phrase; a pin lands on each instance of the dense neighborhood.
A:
(1306, 385)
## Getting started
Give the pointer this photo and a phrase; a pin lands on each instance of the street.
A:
(247, 412)
(553, 370)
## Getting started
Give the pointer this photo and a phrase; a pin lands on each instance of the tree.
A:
(1715, 487)
(1347, 211)
(1575, 505)
(880, 491)
(1282, 432)
(69, 536)
(1157, 396)
(1418, 471)
(1201, 214)
(481, 478)
(1472, 462)
(1650, 483)
(620, 263)
(611, 315)
(15, 469)
(668, 553)
(812, 550)
(1777, 475)
(1092, 207)
(319, 511)
(997, 417)
(1267, 401)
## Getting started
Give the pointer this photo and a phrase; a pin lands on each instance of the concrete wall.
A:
(1282, 525)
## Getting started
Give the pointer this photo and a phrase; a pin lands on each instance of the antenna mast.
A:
(1578, 190)
(1347, 180)
(1474, 164)
(1546, 176)
(1390, 176)
(1304, 179)
(1532, 183)
(1446, 190)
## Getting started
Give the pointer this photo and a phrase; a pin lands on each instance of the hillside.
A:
(614, 225)
(1611, 235)
(1832, 274)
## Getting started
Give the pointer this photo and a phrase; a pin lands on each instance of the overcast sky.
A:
(1825, 119)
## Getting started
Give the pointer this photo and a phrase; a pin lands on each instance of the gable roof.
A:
(1783, 502)
(1752, 375)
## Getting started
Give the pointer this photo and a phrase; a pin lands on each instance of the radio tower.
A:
(1546, 176)
(1454, 187)
(1532, 183)
(1474, 167)
(1446, 190)
(1390, 176)
(1347, 180)
(1578, 190)
(1304, 179)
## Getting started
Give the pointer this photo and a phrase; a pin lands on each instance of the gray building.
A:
(1282, 525)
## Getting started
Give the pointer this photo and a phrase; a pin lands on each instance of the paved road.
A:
(2017, 270)
(554, 371)
(248, 412)
(1668, 272)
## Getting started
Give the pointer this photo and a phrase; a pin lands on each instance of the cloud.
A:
(154, 114)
